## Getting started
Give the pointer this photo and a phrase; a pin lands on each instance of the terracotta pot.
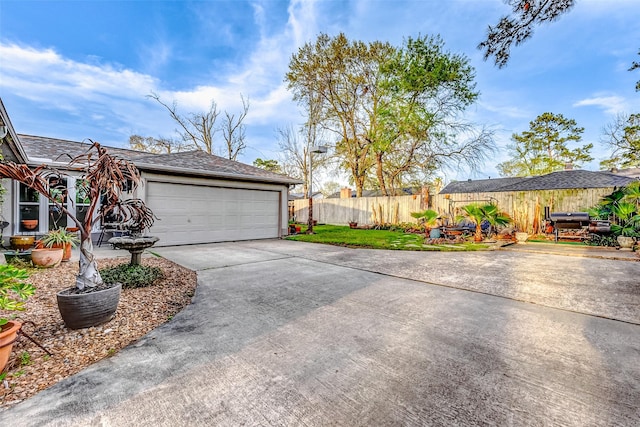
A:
(8, 335)
(29, 224)
(66, 247)
(21, 243)
(46, 257)
(89, 309)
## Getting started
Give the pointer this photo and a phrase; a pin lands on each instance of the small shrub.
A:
(599, 240)
(131, 276)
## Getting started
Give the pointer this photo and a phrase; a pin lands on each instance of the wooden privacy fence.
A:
(391, 210)
(525, 207)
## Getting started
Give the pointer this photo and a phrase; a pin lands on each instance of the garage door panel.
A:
(200, 214)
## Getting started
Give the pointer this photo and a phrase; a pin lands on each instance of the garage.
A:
(189, 213)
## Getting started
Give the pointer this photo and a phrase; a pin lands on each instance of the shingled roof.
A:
(195, 163)
(42, 149)
(480, 185)
(198, 162)
(567, 179)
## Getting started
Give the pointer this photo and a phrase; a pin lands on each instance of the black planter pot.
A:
(85, 310)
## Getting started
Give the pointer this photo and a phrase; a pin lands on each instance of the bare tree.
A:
(160, 145)
(623, 137)
(295, 154)
(233, 131)
(197, 128)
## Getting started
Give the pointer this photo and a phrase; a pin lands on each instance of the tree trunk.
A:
(88, 274)
(383, 188)
(478, 235)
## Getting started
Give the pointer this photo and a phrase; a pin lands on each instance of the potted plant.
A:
(60, 238)
(46, 257)
(91, 301)
(14, 291)
(627, 227)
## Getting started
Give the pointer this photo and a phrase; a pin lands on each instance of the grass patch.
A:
(377, 239)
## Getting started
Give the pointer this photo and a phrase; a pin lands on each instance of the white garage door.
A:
(200, 214)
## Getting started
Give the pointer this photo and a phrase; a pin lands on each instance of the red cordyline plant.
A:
(105, 178)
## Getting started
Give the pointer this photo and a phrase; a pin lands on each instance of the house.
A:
(197, 197)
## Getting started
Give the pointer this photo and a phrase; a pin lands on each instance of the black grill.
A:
(576, 225)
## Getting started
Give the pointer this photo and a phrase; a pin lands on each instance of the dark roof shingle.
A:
(567, 179)
(46, 150)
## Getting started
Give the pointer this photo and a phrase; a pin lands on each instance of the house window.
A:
(28, 209)
(82, 199)
(58, 190)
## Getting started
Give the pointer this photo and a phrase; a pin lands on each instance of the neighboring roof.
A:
(567, 179)
(51, 150)
(480, 185)
(374, 193)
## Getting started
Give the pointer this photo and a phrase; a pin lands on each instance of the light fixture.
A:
(3, 131)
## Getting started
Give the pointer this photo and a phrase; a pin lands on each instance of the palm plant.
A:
(478, 213)
(628, 220)
(428, 217)
(106, 177)
(495, 217)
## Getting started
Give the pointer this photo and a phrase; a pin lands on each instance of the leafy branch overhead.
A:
(514, 29)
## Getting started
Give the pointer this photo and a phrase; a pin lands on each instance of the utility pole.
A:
(321, 149)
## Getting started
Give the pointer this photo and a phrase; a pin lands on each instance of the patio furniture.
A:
(115, 229)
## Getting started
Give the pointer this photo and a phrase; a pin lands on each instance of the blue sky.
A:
(82, 69)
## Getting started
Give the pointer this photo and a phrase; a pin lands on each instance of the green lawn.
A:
(377, 239)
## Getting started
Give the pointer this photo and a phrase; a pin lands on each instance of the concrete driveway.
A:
(288, 333)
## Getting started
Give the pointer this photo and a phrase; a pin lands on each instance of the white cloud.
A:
(611, 104)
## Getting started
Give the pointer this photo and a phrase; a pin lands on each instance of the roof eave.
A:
(212, 174)
(11, 138)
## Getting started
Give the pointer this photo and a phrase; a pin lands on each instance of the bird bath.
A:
(134, 244)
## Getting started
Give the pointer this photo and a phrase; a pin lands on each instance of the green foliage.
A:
(131, 276)
(622, 207)
(270, 165)
(25, 358)
(517, 27)
(59, 237)
(543, 148)
(489, 212)
(395, 110)
(14, 291)
(628, 220)
(428, 217)
(601, 240)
